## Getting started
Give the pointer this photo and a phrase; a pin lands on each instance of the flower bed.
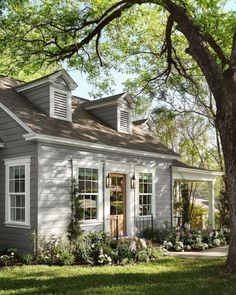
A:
(195, 240)
(90, 248)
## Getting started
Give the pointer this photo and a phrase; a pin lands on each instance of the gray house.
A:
(48, 136)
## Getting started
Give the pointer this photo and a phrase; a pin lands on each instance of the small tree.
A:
(74, 228)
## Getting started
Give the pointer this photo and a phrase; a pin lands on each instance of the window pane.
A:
(149, 188)
(94, 213)
(22, 171)
(17, 172)
(81, 186)
(22, 186)
(81, 173)
(141, 188)
(11, 172)
(94, 187)
(11, 186)
(13, 215)
(95, 174)
(88, 188)
(17, 186)
(88, 174)
(13, 201)
(87, 213)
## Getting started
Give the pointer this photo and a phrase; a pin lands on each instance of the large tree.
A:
(194, 38)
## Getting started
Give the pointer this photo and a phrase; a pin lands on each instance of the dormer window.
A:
(51, 94)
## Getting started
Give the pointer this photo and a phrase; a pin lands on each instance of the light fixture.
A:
(132, 182)
(108, 181)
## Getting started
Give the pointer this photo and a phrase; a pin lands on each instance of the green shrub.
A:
(54, 251)
(27, 259)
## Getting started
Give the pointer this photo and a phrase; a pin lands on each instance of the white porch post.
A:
(211, 185)
(177, 191)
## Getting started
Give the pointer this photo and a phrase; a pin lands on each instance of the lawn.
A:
(168, 276)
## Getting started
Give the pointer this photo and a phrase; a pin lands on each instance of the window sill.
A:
(90, 222)
(17, 225)
(145, 216)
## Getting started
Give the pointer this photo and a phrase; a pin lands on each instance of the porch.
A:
(184, 173)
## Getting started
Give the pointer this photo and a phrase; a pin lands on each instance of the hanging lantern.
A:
(108, 181)
(132, 182)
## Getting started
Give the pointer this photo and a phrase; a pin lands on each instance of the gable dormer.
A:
(51, 94)
(115, 111)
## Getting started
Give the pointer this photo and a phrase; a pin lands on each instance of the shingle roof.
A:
(107, 99)
(139, 122)
(177, 163)
(85, 126)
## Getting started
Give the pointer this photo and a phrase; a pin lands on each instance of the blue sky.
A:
(84, 87)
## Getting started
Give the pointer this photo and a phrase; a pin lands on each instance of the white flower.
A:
(143, 243)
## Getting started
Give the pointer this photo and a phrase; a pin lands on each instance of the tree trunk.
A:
(226, 121)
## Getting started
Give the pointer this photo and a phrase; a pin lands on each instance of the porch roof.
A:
(182, 171)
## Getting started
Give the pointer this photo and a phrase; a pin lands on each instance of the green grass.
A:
(168, 276)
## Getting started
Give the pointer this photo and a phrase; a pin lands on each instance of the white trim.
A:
(2, 144)
(14, 117)
(97, 146)
(153, 204)
(198, 171)
(17, 161)
(14, 162)
(113, 102)
(104, 104)
(190, 174)
(50, 78)
(92, 165)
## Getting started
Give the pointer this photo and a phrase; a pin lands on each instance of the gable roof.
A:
(48, 78)
(84, 126)
(108, 100)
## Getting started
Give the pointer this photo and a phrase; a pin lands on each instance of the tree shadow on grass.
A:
(188, 280)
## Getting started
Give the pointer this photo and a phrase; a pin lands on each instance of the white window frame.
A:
(92, 165)
(153, 199)
(21, 161)
(54, 89)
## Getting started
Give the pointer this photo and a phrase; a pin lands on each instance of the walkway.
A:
(207, 254)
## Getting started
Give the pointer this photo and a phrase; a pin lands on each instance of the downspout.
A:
(103, 193)
(171, 197)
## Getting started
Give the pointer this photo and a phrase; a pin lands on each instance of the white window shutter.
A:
(124, 121)
(60, 105)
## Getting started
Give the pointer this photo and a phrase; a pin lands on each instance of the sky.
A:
(84, 87)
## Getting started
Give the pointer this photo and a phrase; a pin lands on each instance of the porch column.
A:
(177, 191)
(211, 185)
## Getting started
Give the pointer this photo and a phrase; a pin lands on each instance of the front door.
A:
(118, 205)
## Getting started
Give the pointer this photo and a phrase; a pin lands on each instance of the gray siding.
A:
(107, 115)
(15, 146)
(54, 185)
(40, 96)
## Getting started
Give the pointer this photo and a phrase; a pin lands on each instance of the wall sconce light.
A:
(108, 181)
(132, 182)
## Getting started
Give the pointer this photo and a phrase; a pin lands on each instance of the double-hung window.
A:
(88, 192)
(145, 194)
(17, 173)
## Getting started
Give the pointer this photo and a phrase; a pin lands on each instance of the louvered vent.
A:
(124, 121)
(60, 105)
